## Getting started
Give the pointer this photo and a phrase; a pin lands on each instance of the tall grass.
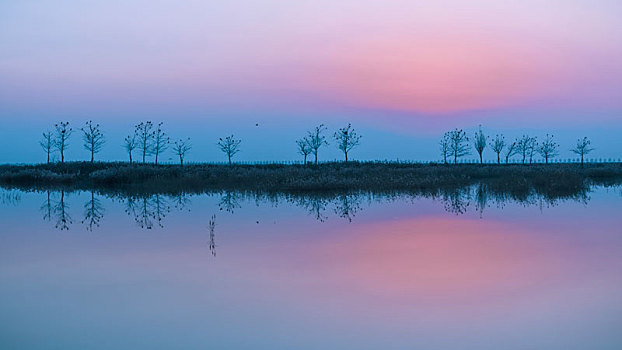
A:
(352, 176)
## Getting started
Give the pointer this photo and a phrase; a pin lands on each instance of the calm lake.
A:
(462, 270)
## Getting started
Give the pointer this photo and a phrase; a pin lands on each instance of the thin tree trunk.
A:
(481, 160)
(498, 159)
(346, 156)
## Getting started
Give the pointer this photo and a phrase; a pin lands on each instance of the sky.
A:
(402, 72)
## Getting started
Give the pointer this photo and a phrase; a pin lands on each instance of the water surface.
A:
(465, 270)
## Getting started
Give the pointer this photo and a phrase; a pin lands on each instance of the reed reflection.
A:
(212, 235)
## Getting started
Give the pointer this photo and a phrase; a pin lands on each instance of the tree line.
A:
(149, 140)
(456, 144)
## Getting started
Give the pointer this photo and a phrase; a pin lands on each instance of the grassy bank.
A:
(354, 176)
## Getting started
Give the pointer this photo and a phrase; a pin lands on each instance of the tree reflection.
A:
(481, 199)
(230, 201)
(457, 201)
(93, 212)
(182, 201)
(147, 211)
(63, 220)
(347, 205)
(314, 205)
(47, 207)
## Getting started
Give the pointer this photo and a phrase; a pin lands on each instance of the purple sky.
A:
(401, 72)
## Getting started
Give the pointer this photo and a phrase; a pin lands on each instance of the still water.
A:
(82, 270)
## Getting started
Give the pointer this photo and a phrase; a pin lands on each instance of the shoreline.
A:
(554, 179)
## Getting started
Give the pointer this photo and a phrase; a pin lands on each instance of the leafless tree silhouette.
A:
(511, 150)
(160, 142)
(93, 138)
(444, 146)
(129, 143)
(316, 139)
(498, 144)
(458, 144)
(229, 146)
(181, 147)
(582, 148)
(532, 148)
(525, 147)
(61, 139)
(303, 148)
(347, 139)
(47, 143)
(144, 139)
(548, 148)
(479, 142)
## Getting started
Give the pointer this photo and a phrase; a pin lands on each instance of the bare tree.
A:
(93, 138)
(525, 147)
(532, 148)
(548, 148)
(479, 142)
(511, 150)
(444, 146)
(303, 148)
(316, 139)
(129, 143)
(61, 140)
(144, 134)
(181, 147)
(47, 143)
(458, 144)
(230, 146)
(498, 144)
(160, 142)
(582, 148)
(347, 139)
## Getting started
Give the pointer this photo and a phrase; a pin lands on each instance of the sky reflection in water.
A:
(225, 271)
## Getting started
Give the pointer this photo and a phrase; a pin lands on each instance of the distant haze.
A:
(402, 72)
